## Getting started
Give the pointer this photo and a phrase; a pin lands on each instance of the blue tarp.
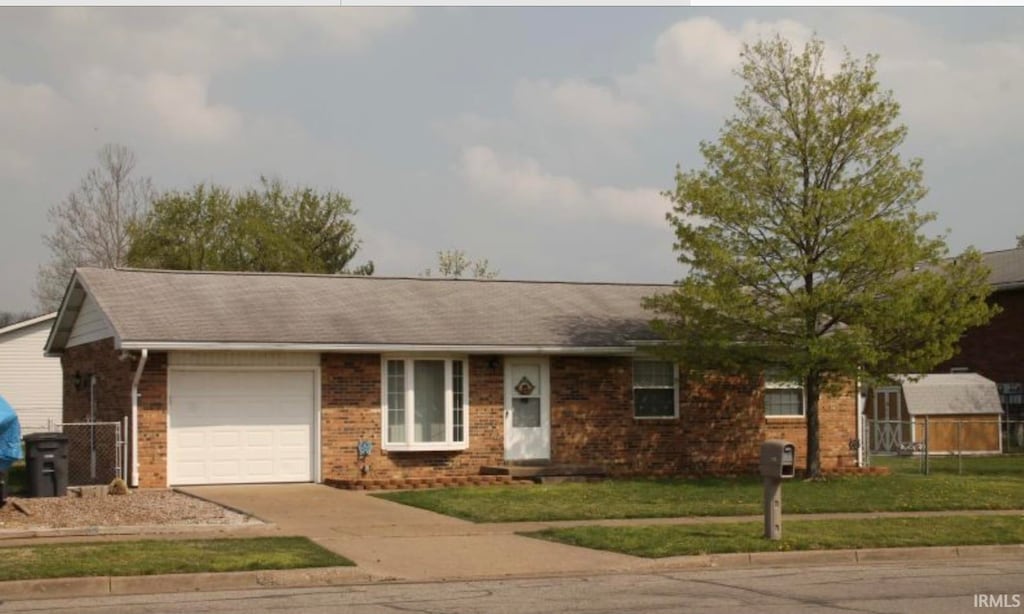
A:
(10, 435)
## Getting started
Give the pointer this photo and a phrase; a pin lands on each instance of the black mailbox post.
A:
(46, 464)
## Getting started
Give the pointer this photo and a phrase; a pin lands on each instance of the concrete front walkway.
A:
(393, 541)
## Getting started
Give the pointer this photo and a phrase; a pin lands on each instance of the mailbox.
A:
(778, 459)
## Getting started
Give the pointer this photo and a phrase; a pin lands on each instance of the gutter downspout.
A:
(143, 356)
(861, 395)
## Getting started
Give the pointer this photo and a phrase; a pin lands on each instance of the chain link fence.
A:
(955, 444)
(96, 451)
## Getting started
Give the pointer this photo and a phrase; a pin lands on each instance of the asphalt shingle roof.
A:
(1007, 267)
(172, 306)
(951, 393)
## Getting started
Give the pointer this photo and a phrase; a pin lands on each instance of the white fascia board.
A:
(26, 323)
(376, 348)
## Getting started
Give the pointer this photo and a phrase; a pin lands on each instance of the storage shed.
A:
(948, 412)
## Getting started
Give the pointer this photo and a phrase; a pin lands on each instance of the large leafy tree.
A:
(807, 255)
(90, 226)
(273, 227)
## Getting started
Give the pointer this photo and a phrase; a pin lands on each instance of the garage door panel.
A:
(241, 426)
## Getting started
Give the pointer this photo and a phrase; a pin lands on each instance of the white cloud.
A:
(171, 107)
(579, 103)
(207, 40)
(694, 59)
(145, 76)
(521, 183)
(180, 102)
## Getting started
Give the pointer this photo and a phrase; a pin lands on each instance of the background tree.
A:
(90, 226)
(1020, 240)
(269, 228)
(806, 253)
(13, 317)
(454, 263)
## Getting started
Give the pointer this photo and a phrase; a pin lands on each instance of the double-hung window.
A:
(654, 389)
(425, 403)
(782, 398)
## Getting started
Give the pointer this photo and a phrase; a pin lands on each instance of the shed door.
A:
(240, 426)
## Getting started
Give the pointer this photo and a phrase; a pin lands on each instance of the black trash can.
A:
(46, 464)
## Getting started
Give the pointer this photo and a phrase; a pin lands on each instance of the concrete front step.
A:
(545, 472)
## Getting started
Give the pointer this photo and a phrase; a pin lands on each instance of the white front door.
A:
(527, 409)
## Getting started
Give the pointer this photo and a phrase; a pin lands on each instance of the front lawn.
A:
(147, 557)
(720, 497)
(676, 540)
(997, 465)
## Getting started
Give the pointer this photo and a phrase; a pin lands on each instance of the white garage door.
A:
(233, 427)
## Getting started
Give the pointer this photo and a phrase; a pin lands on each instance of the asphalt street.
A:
(911, 587)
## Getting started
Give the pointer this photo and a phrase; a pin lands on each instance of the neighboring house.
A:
(951, 412)
(996, 350)
(30, 381)
(245, 377)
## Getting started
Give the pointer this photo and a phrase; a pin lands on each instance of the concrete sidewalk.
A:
(392, 541)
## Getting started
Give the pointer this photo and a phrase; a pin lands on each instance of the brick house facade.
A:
(583, 396)
(718, 430)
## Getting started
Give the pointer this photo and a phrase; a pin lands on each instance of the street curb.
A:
(102, 586)
(839, 557)
(153, 529)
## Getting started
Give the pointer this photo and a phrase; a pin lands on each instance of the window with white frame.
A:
(654, 389)
(782, 397)
(425, 403)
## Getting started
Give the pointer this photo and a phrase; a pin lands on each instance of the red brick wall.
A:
(153, 422)
(719, 430)
(113, 382)
(351, 411)
(995, 350)
(837, 416)
(720, 427)
(113, 399)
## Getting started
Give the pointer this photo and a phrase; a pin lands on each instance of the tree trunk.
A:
(812, 388)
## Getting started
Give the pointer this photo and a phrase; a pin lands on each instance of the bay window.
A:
(424, 403)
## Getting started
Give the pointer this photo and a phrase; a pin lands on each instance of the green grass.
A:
(675, 540)
(1010, 465)
(1000, 488)
(147, 557)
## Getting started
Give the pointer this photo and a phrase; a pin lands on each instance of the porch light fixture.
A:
(492, 364)
(77, 380)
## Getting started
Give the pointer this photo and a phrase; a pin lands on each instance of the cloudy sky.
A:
(538, 138)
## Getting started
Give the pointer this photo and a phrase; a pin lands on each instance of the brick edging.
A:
(416, 483)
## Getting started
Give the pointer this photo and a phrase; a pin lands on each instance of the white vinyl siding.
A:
(30, 381)
(90, 325)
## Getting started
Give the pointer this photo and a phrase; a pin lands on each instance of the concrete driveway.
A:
(392, 541)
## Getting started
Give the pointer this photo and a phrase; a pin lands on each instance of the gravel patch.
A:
(139, 507)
